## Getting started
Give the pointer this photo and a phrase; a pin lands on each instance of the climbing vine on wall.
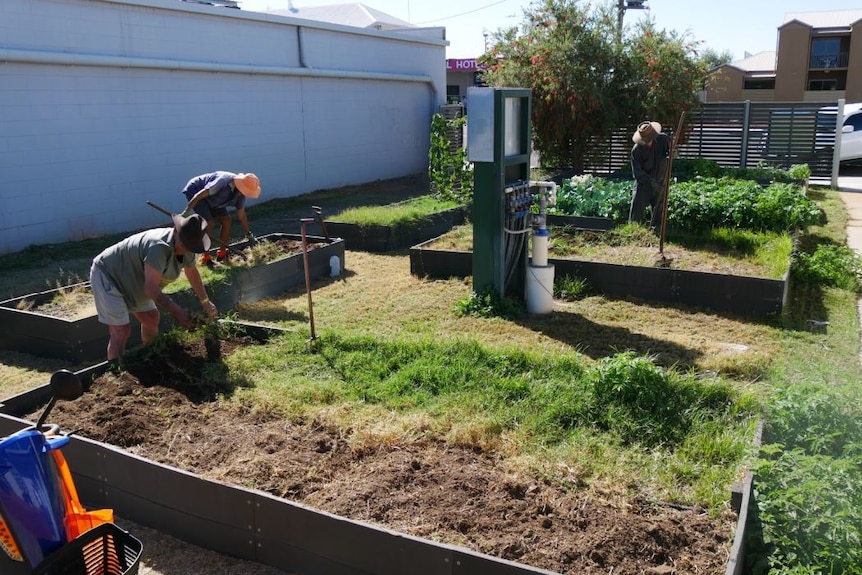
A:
(449, 171)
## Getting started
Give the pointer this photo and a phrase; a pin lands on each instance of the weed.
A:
(809, 506)
(263, 252)
(487, 303)
(643, 403)
(569, 288)
(829, 265)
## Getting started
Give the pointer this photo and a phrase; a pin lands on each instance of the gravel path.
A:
(165, 555)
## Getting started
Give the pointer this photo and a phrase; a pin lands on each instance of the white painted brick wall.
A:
(100, 111)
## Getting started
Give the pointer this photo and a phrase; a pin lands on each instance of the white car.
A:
(851, 133)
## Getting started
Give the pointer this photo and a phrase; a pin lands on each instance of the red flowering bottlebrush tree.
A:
(672, 74)
(586, 80)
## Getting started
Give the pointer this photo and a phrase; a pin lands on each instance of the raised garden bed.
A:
(716, 291)
(302, 469)
(250, 284)
(580, 222)
(24, 328)
(384, 238)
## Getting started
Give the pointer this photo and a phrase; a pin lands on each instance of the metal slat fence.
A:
(740, 134)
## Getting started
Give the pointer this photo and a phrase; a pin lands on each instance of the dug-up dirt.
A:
(459, 496)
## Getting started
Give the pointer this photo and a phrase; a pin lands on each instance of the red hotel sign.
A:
(461, 65)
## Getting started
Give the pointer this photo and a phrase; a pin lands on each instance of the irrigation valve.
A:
(547, 195)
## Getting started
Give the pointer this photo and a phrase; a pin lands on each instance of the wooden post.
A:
(305, 264)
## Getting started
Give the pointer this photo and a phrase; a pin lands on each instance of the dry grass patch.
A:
(376, 294)
(20, 372)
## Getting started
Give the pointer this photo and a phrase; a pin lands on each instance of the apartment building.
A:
(818, 58)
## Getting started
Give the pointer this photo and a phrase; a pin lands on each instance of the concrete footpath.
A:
(850, 191)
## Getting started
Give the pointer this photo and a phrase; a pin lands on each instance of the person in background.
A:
(210, 195)
(649, 157)
(127, 278)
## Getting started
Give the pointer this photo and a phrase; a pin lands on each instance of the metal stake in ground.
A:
(304, 222)
(319, 212)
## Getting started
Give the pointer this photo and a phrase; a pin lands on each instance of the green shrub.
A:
(830, 265)
(809, 507)
(822, 421)
(689, 168)
(799, 171)
(764, 171)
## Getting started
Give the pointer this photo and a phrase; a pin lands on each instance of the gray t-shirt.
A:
(124, 262)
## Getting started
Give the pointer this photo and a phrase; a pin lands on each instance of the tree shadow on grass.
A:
(597, 341)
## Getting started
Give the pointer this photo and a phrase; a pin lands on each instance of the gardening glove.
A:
(251, 239)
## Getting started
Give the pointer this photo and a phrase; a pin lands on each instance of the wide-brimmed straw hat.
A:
(192, 232)
(646, 132)
(248, 185)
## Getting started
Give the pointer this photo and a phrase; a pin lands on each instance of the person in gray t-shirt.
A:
(127, 278)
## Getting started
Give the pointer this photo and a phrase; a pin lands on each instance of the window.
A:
(759, 84)
(825, 46)
(822, 84)
(855, 121)
(826, 53)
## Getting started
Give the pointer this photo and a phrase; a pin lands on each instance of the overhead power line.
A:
(462, 13)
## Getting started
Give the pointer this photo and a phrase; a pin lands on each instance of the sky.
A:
(736, 26)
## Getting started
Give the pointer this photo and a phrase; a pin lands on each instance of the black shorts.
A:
(206, 212)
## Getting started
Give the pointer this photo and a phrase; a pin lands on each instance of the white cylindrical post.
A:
(539, 292)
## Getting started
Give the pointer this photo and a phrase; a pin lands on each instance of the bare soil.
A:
(73, 304)
(162, 409)
(77, 303)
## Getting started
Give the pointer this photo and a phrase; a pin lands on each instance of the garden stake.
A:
(664, 193)
(305, 221)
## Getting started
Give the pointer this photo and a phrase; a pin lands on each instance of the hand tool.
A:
(318, 211)
(213, 238)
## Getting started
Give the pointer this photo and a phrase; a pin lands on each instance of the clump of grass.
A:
(411, 210)
(569, 288)
(642, 403)
(263, 252)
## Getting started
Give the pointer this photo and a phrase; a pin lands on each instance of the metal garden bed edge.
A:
(719, 292)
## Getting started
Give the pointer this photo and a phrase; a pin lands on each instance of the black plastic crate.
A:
(103, 550)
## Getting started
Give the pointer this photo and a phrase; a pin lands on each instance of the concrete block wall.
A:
(108, 103)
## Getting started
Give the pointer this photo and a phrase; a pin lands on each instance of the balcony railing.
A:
(821, 61)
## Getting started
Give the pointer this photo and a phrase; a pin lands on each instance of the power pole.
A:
(622, 6)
